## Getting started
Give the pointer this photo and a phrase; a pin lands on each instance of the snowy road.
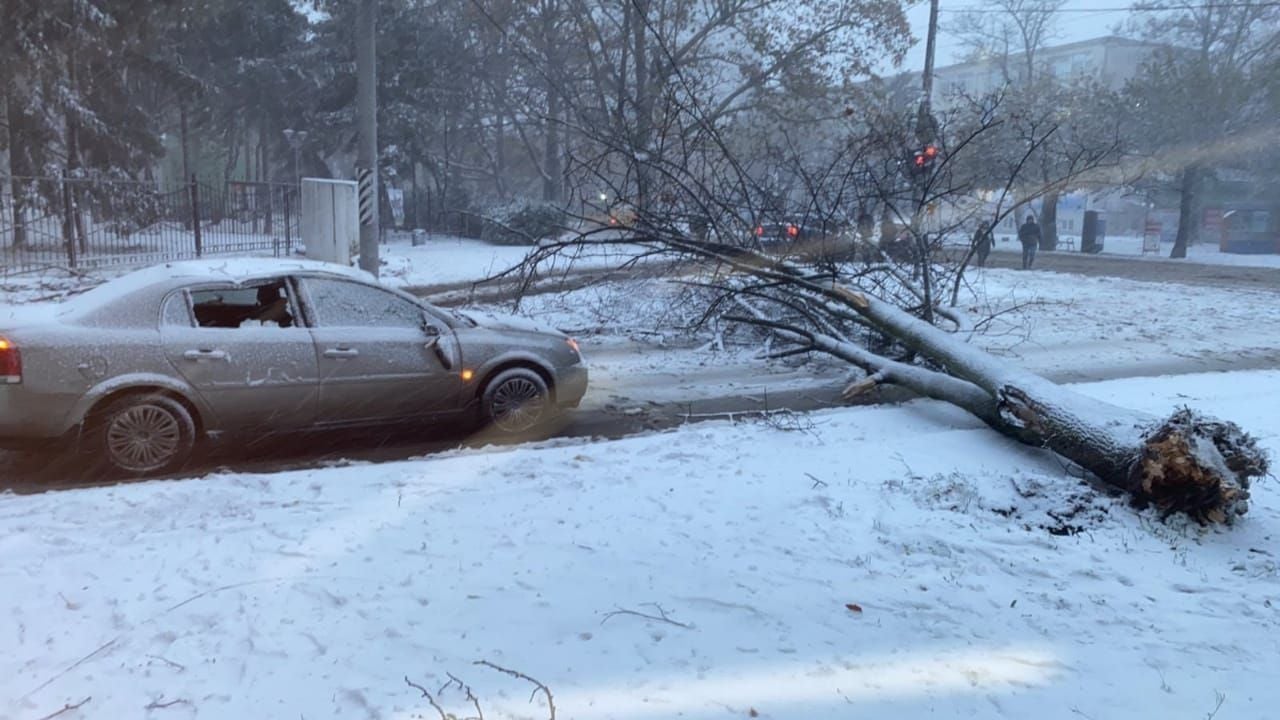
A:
(1074, 329)
(744, 395)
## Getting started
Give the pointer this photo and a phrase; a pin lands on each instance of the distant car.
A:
(811, 239)
(138, 370)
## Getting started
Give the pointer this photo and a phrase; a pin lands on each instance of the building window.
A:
(1081, 64)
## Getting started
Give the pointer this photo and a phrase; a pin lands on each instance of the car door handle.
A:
(198, 355)
(341, 353)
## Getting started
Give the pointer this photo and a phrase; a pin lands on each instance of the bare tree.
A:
(1010, 35)
(1209, 83)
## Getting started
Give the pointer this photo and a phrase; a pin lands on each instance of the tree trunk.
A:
(12, 188)
(1185, 463)
(184, 137)
(499, 153)
(644, 103)
(75, 223)
(1049, 222)
(552, 179)
(265, 166)
(1188, 211)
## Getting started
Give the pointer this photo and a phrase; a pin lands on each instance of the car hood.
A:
(496, 321)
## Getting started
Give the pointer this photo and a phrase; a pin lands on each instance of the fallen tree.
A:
(891, 309)
(1187, 462)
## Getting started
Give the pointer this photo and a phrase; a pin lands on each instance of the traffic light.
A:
(924, 157)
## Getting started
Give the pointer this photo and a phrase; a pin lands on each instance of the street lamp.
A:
(296, 138)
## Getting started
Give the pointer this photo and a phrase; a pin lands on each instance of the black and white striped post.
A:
(364, 180)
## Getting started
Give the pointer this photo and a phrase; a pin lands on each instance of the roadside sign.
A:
(395, 196)
(1151, 237)
(1215, 227)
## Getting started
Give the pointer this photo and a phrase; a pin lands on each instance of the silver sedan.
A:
(139, 370)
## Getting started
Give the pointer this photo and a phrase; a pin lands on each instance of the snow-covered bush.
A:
(522, 223)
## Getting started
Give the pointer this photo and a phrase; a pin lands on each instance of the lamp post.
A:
(296, 138)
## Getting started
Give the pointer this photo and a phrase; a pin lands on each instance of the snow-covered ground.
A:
(445, 259)
(896, 562)
(1131, 246)
(440, 260)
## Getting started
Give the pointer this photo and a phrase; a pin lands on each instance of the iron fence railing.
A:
(88, 223)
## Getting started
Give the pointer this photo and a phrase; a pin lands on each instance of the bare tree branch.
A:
(517, 674)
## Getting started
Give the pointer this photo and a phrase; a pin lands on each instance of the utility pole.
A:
(367, 128)
(926, 127)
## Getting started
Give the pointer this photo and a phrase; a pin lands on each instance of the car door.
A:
(379, 354)
(256, 375)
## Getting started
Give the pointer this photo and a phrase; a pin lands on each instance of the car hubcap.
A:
(143, 438)
(517, 405)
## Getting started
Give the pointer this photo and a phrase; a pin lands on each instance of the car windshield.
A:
(639, 359)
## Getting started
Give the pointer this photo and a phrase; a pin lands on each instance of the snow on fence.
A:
(87, 223)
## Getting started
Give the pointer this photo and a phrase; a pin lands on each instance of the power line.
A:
(1126, 8)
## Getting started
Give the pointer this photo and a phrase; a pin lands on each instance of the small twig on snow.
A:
(426, 695)
(471, 697)
(517, 674)
(157, 705)
(169, 662)
(69, 707)
(816, 481)
(1222, 697)
(660, 617)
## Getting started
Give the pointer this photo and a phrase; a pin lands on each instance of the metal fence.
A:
(89, 223)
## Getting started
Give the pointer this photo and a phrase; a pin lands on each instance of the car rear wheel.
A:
(143, 435)
(515, 401)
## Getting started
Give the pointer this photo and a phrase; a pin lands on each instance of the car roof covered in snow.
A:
(133, 298)
(233, 270)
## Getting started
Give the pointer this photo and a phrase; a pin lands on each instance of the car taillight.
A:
(574, 345)
(759, 230)
(792, 230)
(10, 363)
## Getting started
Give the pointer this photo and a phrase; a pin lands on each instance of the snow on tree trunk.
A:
(1185, 463)
(1049, 222)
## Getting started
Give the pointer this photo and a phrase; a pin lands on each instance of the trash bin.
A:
(419, 238)
(1094, 232)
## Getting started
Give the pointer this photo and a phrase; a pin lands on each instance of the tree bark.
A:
(644, 101)
(15, 190)
(1188, 211)
(266, 178)
(1049, 222)
(75, 223)
(184, 137)
(552, 179)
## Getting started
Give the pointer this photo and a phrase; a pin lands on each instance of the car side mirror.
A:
(428, 324)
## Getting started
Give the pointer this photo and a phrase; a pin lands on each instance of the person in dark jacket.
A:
(982, 242)
(1029, 234)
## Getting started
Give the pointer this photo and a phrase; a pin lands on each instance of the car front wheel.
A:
(515, 401)
(142, 435)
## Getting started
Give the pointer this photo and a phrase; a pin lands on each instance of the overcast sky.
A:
(1079, 21)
